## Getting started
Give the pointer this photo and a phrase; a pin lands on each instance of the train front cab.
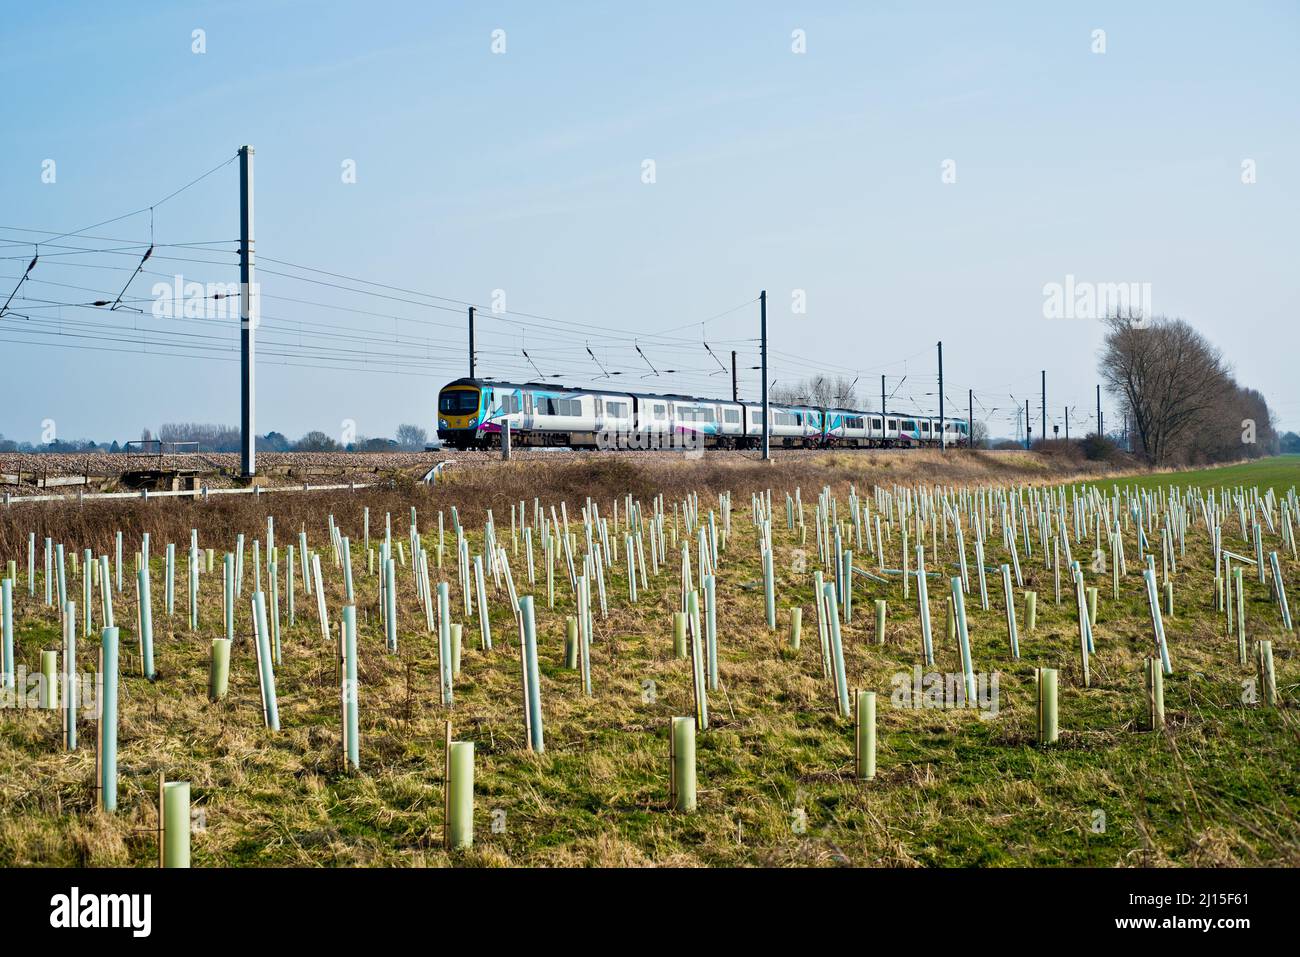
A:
(460, 410)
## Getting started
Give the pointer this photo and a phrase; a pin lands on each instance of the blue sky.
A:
(522, 172)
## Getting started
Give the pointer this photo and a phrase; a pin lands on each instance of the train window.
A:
(893, 425)
(458, 402)
(925, 426)
(875, 425)
(706, 415)
(756, 418)
(854, 422)
(798, 418)
(661, 411)
(560, 406)
(617, 410)
(908, 425)
(731, 416)
(509, 404)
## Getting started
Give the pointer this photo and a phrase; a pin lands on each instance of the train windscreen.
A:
(458, 402)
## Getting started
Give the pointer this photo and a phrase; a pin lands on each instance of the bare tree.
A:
(411, 436)
(823, 392)
(1167, 377)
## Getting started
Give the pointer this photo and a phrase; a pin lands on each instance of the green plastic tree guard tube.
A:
(1092, 593)
(679, 634)
(445, 663)
(351, 727)
(49, 696)
(698, 683)
(711, 630)
(1169, 599)
(1031, 610)
(194, 590)
(796, 627)
(534, 696)
(266, 673)
(70, 679)
(85, 592)
(146, 623)
(457, 631)
(347, 571)
(390, 603)
(882, 609)
(7, 631)
(571, 642)
(1154, 679)
(1047, 714)
(460, 794)
(274, 583)
(61, 575)
(1240, 594)
(106, 752)
(484, 622)
(219, 669)
(865, 738)
(170, 586)
(175, 812)
(963, 639)
(1009, 599)
(105, 592)
(837, 649)
(682, 763)
(228, 570)
(846, 578)
(923, 605)
(289, 586)
(769, 589)
(1267, 677)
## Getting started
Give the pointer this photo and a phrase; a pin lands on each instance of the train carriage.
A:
(474, 413)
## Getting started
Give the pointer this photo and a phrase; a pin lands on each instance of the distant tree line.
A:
(225, 438)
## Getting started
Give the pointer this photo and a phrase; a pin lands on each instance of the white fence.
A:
(201, 493)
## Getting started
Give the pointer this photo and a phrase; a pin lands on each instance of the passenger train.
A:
(473, 413)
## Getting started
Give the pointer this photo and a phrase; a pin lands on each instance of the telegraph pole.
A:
(943, 444)
(471, 342)
(1067, 423)
(1029, 429)
(970, 418)
(882, 402)
(1101, 432)
(767, 415)
(247, 316)
(734, 394)
(1044, 432)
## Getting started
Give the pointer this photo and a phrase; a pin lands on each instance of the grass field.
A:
(1278, 473)
(1218, 786)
